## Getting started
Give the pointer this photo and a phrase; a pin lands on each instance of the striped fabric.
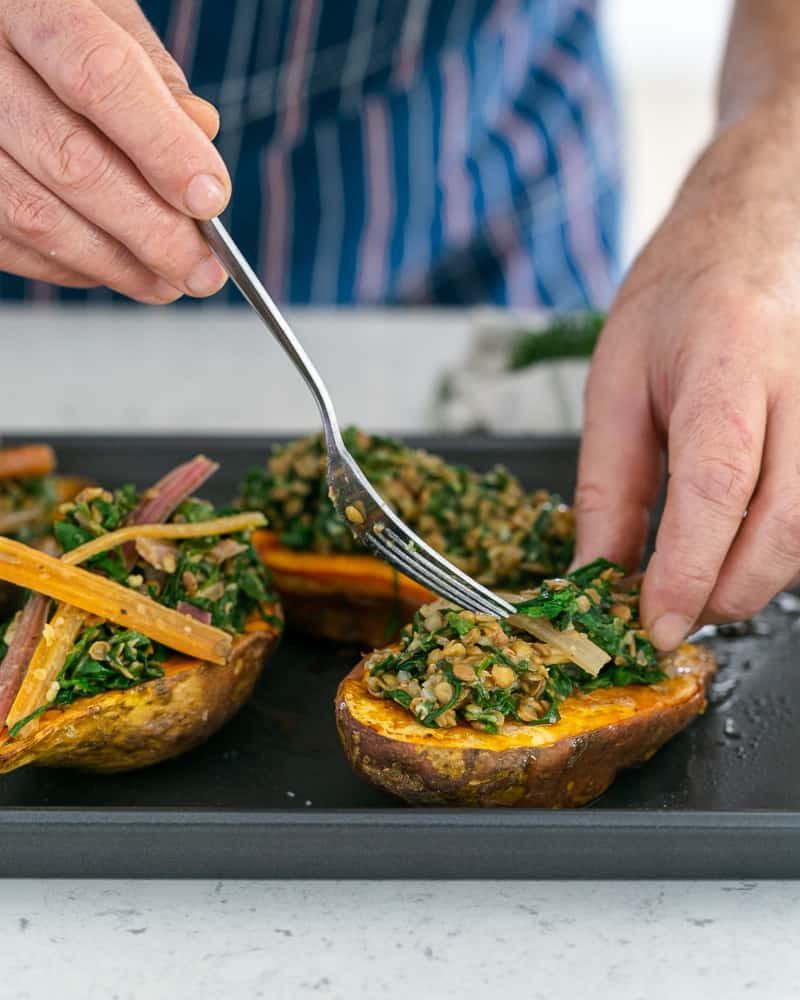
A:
(408, 151)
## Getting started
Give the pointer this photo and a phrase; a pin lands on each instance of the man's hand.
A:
(701, 358)
(105, 155)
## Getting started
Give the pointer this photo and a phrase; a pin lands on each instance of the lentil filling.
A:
(26, 506)
(219, 581)
(484, 522)
(455, 667)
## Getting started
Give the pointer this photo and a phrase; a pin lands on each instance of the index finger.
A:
(96, 68)
(716, 438)
(619, 468)
(128, 14)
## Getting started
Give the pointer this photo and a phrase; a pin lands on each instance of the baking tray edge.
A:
(419, 844)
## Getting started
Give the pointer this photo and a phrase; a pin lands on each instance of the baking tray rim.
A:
(590, 819)
(381, 844)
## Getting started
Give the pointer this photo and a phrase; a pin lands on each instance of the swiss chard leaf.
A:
(557, 605)
(459, 625)
(584, 575)
(401, 697)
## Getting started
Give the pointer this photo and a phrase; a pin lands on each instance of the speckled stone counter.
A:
(431, 941)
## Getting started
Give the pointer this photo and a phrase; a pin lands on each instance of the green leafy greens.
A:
(485, 522)
(457, 666)
(39, 493)
(220, 579)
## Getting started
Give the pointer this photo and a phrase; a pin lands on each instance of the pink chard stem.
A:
(199, 614)
(20, 650)
(159, 504)
(168, 494)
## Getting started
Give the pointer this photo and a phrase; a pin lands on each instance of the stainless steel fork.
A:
(371, 520)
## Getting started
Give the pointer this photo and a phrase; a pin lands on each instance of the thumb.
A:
(620, 464)
(129, 16)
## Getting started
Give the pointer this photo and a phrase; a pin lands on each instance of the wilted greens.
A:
(217, 580)
(455, 666)
(485, 522)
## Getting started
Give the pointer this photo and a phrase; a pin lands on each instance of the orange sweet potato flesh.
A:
(565, 764)
(28, 461)
(149, 723)
(346, 598)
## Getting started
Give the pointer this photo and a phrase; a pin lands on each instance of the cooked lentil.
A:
(37, 496)
(484, 522)
(454, 666)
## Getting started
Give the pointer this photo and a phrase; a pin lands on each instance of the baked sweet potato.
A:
(486, 522)
(143, 725)
(345, 598)
(567, 763)
(163, 618)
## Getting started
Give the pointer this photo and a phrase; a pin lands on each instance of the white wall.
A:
(666, 57)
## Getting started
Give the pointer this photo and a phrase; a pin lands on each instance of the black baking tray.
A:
(271, 795)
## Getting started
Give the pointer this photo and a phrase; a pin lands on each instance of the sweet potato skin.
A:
(566, 764)
(149, 723)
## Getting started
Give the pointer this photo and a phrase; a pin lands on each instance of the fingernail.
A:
(670, 630)
(205, 196)
(206, 278)
(202, 113)
(166, 292)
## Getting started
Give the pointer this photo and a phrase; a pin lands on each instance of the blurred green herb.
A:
(568, 336)
(496, 531)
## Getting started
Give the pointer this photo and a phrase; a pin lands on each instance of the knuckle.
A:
(693, 576)
(80, 161)
(732, 607)
(685, 576)
(99, 75)
(164, 246)
(593, 497)
(33, 217)
(70, 279)
(723, 483)
(783, 531)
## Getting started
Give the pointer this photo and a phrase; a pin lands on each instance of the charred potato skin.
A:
(149, 723)
(571, 771)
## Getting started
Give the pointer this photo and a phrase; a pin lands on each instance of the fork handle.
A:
(248, 283)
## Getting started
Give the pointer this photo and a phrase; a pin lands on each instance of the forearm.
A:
(762, 59)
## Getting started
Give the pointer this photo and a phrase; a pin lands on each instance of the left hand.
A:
(700, 359)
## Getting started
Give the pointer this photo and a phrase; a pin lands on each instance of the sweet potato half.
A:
(568, 763)
(344, 598)
(153, 721)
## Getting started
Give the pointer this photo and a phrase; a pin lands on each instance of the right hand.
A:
(105, 154)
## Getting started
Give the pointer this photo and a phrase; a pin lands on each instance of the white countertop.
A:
(142, 371)
(410, 941)
(218, 370)
(194, 369)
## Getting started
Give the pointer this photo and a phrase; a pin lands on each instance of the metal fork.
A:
(371, 520)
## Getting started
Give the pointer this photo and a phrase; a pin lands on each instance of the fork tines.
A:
(425, 565)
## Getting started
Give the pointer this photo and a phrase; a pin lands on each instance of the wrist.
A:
(773, 106)
(753, 157)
